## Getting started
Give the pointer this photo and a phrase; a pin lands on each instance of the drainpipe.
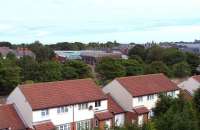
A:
(73, 119)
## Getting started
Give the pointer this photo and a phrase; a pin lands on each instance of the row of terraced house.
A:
(82, 105)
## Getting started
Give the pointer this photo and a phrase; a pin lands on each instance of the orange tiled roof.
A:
(60, 93)
(9, 118)
(104, 115)
(45, 126)
(147, 84)
(113, 106)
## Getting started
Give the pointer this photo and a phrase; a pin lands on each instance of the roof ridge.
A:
(143, 75)
(60, 81)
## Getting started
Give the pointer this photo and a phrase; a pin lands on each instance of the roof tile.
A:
(9, 118)
(147, 84)
(61, 93)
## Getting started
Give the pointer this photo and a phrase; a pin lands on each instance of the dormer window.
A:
(97, 103)
(62, 109)
(45, 113)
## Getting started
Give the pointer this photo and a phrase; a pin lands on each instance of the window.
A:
(44, 113)
(82, 106)
(173, 94)
(151, 114)
(64, 127)
(62, 109)
(140, 99)
(83, 125)
(150, 97)
(96, 123)
(97, 103)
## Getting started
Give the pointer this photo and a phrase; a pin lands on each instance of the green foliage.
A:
(49, 71)
(68, 46)
(5, 44)
(172, 56)
(132, 67)
(193, 60)
(11, 56)
(29, 68)
(137, 58)
(197, 100)
(181, 115)
(43, 53)
(76, 69)
(109, 69)
(181, 69)
(158, 67)
(163, 105)
(137, 50)
(147, 126)
(9, 76)
(154, 53)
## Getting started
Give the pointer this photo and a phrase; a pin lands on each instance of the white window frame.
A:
(83, 106)
(63, 109)
(83, 125)
(64, 127)
(173, 93)
(140, 99)
(97, 103)
(150, 97)
(45, 113)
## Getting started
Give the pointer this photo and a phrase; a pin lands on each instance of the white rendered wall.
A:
(140, 119)
(67, 117)
(22, 106)
(56, 118)
(108, 123)
(147, 103)
(119, 119)
(119, 94)
(150, 103)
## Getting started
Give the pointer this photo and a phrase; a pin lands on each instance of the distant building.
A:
(189, 86)
(93, 57)
(19, 52)
(67, 55)
(123, 48)
(5, 50)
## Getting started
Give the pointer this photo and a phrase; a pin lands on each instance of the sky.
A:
(140, 21)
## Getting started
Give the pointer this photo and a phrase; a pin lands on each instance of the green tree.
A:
(197, 99)
(132, 67)
(163, 105)
(11, 56)
(137, 58)
(43, 53)
(109, 69)
(193, 60)
(69, 72)
(180, 116)
(138, 50)
(29, 68)
(181, 69)
(172, 56)
(155, 53)
(49, 71)
(81, 69)
(9, 76)
(158, 67)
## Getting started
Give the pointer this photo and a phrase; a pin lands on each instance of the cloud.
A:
(126, 20)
